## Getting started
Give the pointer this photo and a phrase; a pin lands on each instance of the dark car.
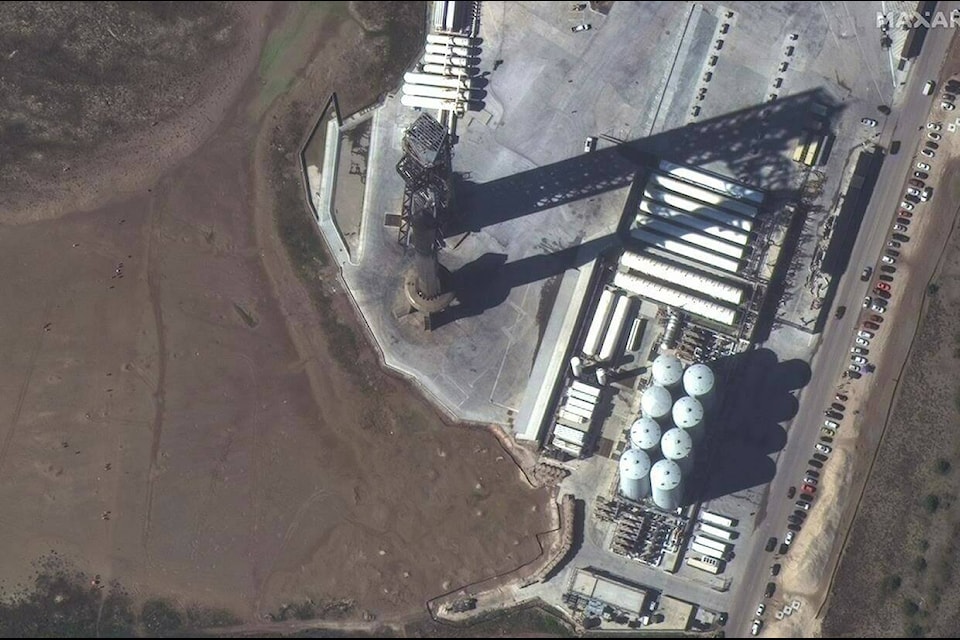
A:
(820, 457)
(903, 221)
(784, 547)
(883, 294)
(800, 513)
(900, 237)
(770, 590)
(833, 415)
(836, 406)
(794, 527)
(871, 325)
(841, 397)
(792, 491)
(816, 464)
(886, 268)
(806, 497)
(771, 544)
(840, 311)
(920, 174)
(813, 474)
(775, 569)
(931, 145)
(913, 182)
(826, 439)
(794, 519)
(866, 273)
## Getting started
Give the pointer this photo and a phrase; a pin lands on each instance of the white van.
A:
(928, 87)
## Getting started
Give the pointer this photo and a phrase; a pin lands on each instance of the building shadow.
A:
(758, 395)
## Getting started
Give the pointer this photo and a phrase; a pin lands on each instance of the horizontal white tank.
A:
(710, 181)
(673, 298)
(439, 15)
(717, 532)
(450, 50)
(615, 331)
(443, 93)
(583, 387)
(676, 230)
(573, 393)
(572, 417)
(580, 404)
(704, 195)
(578, 411)
(461, 41)
(686, 250)
(677, 202)
(656, 402)
(573, 436)
(598, 324)
(698, 223)
(645, 434)
(422, 102)
(650, 266)
(573, 450)
(457, 61)
(435, 80)
(634, 474)
(450, 70)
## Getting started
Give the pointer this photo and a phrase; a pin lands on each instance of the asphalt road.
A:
(832, 356)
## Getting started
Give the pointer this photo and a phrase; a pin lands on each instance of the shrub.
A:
(920, 564)
(943, 466)
(910, 608)
(891, 583)
(931, 503)
(160, 617)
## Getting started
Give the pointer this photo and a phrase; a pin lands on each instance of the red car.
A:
(871, 325)
(903, 213)
(883, 285)
(876, 318)
(809, 488)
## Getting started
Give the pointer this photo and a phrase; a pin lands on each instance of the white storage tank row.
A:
(451, 50)
(712, 181)
(672, 227)
(460, 41)
(677, 202)
(686, 250)
(615, 331)
(704, 195)
(692, 221)
(686, 278)
(422, 102)
(457, 61)
(436, 80)
(671, 297)
(442, 69)
(598, 325)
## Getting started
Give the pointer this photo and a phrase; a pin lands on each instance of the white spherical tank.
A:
(656, 403)
(699, 382)
(666, 483)
(677, 445)
(689, 415)
(667, 371)
(635, 474)
(645, 435)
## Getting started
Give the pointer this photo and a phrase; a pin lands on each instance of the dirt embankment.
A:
(195, 415)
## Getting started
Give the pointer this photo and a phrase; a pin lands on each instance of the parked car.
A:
(929, 144)
(589, 144)
(858, 350)
(906, 205)
(887, 260)
(840, 311)
(802, 505)
(788, 538)
(870, 325)
(755, 627)
(760, 609)
(927, 194)
(927, 153)
(831, 424)
(866, 273)
(828, 432)
(792, 491)
(836, 406)
(933, 135)
(775, 569)
(806, 497)
(810, 480)
(878, 308)
(793, 527)
(876, 318)
(883, 295)
(820, 457)
(867, 301)
(823, 448)
(901, 238)
(947, 106)
(934, 126)
(835, 415)
(770, 590)
(771, 544)
(899, 227)
(842, 397)
(913, 191)
(863, 342)
(816, 464)
(915, 182)
(903, 213)
(800, 514)
(923, 166)
(853, 368)
(826, 439)
(809, 488)
(886, 268)
(894, 244)
(858, 359)
(581, 27)
(921, 175)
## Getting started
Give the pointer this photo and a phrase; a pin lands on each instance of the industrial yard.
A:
(634, 291)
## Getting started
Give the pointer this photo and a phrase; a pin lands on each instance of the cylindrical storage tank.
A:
(688, 414)
(598, 325)
(615, 331)
(656, 403)
(601, 376)
(677, 445)
(635, 474)
(451, 50)
(450, 70)
(700, 383)
(668, 372)
(645, 435)
(576, 366)
(457, 61)
(666, 485)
